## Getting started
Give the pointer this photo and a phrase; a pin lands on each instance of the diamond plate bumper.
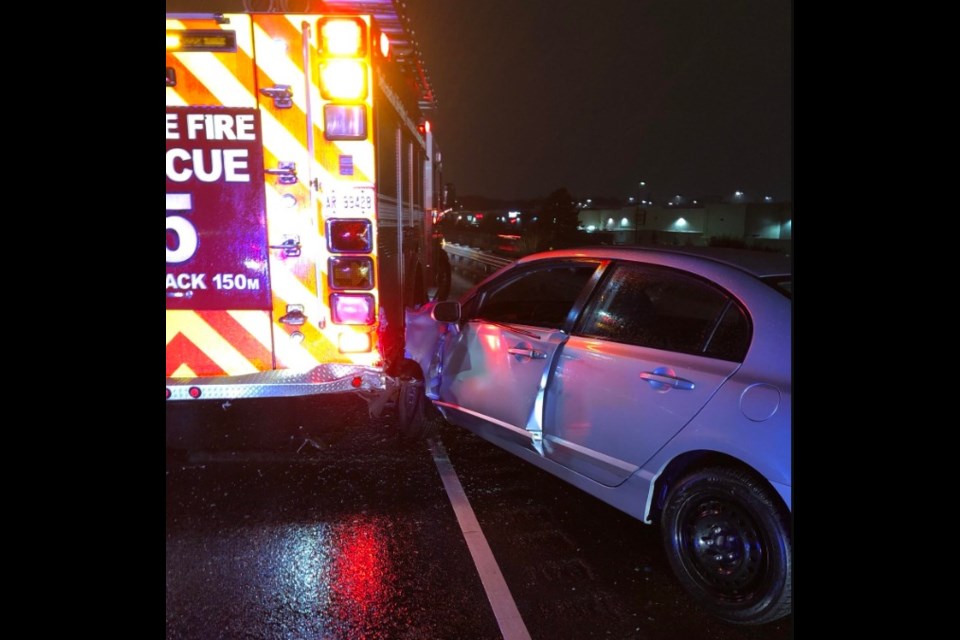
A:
(326, 378)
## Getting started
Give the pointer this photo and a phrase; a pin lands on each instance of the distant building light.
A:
(591, 228)
(768, 198)
(738, 194)
(624, 222)
(610, 222)
(681, 222)
(694, 202)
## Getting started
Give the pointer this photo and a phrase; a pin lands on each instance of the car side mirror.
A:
(446, 311)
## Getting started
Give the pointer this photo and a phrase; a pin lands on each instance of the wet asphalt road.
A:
(291, 522)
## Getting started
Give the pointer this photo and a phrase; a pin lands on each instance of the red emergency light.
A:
(349, 236)
(352, 308)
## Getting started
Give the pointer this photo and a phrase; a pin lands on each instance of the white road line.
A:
(504, 608)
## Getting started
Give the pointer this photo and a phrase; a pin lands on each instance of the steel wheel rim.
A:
(724, 549)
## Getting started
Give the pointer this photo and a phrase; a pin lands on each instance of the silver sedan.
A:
(658, 381)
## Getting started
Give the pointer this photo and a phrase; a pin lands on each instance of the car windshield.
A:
(783, 284)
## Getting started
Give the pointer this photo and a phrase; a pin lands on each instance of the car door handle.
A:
(670, 381)
(527, 353)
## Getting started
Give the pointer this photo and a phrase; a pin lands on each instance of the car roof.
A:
(760, 264)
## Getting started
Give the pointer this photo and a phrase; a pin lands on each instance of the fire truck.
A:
(302, 188)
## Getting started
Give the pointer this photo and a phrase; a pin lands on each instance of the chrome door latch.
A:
(281, 94)
(285, 171)
(290, 246)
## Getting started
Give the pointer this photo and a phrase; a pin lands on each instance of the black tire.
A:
(417, 291)
(417, 418)
(728, 540)
(444, 279)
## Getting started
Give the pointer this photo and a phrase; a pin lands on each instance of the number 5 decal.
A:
(187, 239)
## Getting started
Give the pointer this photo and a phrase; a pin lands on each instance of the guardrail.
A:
(475, 261)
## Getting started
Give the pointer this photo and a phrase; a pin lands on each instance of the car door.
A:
(495, 363)
(651, 349)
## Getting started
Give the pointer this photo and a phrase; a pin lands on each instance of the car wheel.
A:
(416, 416)
(728, 541)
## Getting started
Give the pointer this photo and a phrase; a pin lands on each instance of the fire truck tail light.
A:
(353, 342)
(194, 392)
(343, 79)
(352, 308)
(384, 45)
(345, 121)
(350, 236)
(342, 37)
(351, 273)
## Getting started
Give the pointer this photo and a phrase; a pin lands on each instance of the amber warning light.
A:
(342, 37)
(343, 80)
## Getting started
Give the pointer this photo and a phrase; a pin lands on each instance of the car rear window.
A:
(783, 284)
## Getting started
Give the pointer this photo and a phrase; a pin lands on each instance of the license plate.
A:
(353, 201)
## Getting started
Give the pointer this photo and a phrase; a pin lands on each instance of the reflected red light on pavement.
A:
(359, 576)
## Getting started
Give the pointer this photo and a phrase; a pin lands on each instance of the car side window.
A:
(661, 308)
(541, 297)
(732, 337)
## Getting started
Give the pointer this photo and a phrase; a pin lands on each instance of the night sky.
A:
(694, 97)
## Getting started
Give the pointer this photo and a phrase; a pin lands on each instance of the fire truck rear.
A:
(301, 189)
